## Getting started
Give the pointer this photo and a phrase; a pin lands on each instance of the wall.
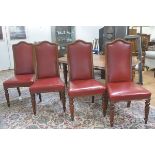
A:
(39, 33)
(87, 33)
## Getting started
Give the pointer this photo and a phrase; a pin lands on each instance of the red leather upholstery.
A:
(126, 91)
(47, 85)
(80, 60)
(80, 64)
(23, 58)
(118, 61)
(47, 73)
(118, 77)
(85, 87)
(19, 81)
(46, 57)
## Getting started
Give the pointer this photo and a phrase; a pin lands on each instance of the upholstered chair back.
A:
(80, 60)
(46, 55)
(23, 58)
(118, 61)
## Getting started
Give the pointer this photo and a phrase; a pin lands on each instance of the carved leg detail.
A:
(33, 103)
(128, 104)
(147, 108)
(40, 98)
(93, 98)
(112, 107)
(19, 92)
(60, 95)
(7, 96)
(104, 103)
(71, 103)
(63, 100)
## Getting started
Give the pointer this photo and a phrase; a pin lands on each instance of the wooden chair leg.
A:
(40, 98)
(128, 104)
(112, 108)
(93, 98)
(19, 92)
(147, 108)
(71, 103)
(7, 96)
(104, 103)
(33, 103)
(60, 95)
(63, 100)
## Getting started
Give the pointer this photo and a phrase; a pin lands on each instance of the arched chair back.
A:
(80, 60)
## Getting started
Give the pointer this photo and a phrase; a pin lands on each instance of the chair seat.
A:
(85, 87)
(127, 91)
(47, 85)
(19, 81)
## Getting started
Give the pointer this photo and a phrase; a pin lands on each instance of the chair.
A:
(47, 72)
(81, 74)
(119, 82)
(23, 68)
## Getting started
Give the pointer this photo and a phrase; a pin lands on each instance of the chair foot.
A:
(71, 103)
(72, 118)
(60, 95)
(93, 98)
(40, 98)
(128, 104)
(112, 107)
(7, 96)
(33, 103)
(147, 108)
(19, 92)
(63, 98)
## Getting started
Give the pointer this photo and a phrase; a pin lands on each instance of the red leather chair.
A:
(47, 72)
(81, 73)
(119, 77)
(23, 68)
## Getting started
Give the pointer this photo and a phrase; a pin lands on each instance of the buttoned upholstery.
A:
(47, 72)
(23, 68)
(119, 82)
(82, 82)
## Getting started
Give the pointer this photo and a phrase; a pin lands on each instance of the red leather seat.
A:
(19, 81)
(23, 68)
(85, 87)
(47, 72)
(127, 91)
(81, 75)
(47, 85)
(119, 77)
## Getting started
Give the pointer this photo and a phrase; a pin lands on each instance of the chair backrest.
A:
(23, 58)
(118, 61)
(80, 60)
(46, 55)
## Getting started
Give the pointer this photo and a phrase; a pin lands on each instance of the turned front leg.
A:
(112, 108)
(7, 96)
(71, 103)
(63, 100)
(33, 100)
(147, 108)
